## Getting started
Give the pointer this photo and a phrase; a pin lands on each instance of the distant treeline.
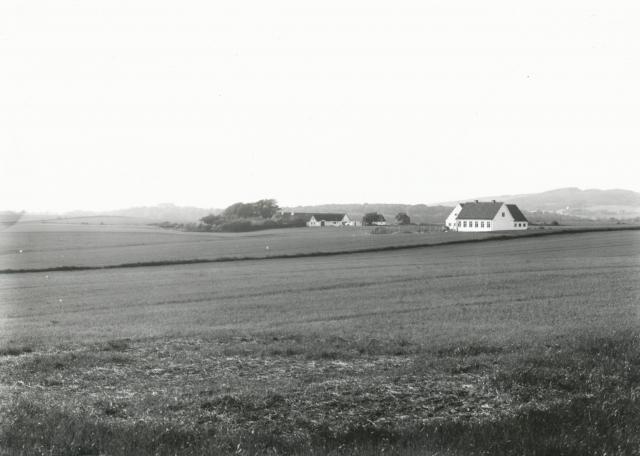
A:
(266, 214)
(240, 217)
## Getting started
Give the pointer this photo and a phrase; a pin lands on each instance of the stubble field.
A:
(520, 346)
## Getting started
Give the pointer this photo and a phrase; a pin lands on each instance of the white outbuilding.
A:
(329, 219)
(486, 216)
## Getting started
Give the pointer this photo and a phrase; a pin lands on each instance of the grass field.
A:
(520, 346)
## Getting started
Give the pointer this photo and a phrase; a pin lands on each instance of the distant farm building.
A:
(329, 219)
(290, 216)
(486, 216)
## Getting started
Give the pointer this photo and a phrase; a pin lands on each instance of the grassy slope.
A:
(523, 346)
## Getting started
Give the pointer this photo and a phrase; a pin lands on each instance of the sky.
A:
(118, 103)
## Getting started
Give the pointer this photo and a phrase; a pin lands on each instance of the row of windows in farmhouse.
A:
(464, 224)
(474, 224)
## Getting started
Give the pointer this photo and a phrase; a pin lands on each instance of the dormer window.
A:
(503, 214)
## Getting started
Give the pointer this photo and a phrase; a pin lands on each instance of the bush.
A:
(403, 219)
(237, 226)
(372, 217)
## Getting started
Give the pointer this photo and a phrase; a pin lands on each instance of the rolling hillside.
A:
(590, 203)
(563, 205)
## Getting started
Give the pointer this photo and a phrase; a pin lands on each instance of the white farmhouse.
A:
(486, 216)
(329, 219)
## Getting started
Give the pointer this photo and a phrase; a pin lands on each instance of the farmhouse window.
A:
(488, 224)
(503, 214)
(481, 224)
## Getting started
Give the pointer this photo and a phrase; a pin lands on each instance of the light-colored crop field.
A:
(520, 346)
(34, 245)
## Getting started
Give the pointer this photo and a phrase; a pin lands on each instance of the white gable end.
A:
(451, 220)
(503, 219)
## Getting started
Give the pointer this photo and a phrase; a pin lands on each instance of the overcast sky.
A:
(110, 104)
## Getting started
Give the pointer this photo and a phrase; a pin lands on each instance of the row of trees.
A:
(370, 218)
(262, 214)
(246, 217)
(262, 209)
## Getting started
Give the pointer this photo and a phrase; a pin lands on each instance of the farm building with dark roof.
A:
(329, 219)
(486, 216)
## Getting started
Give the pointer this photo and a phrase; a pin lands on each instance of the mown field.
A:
(520, 346)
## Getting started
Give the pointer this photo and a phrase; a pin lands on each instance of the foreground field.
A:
(523, 346)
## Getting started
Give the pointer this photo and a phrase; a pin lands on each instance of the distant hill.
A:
(166, 213)
(586, 203)
(9, 218)
(574, 202)
(563, 205)
(142, 215)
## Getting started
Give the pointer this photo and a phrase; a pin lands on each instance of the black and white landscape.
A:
(334, 228)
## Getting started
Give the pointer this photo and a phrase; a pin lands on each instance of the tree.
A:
(402, 218)
(266, 208)
(371, 217)
(233, 211)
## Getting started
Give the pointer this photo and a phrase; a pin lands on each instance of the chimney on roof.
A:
(493, 201)
(477, 201)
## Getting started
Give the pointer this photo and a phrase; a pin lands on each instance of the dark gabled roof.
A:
(517, 215)
(479, 211)
(328, 217)
(298, 215)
